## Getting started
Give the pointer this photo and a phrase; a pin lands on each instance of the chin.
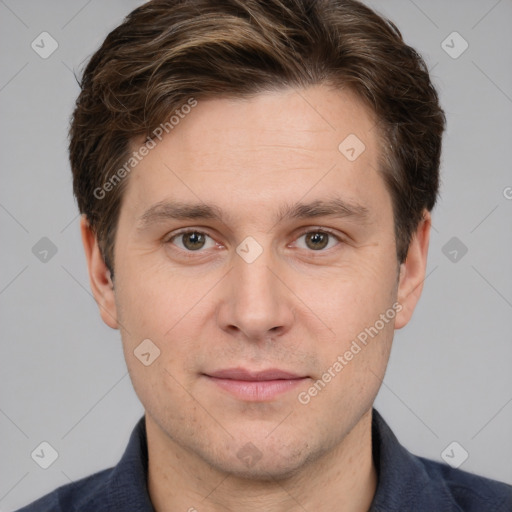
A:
(269, 471)
(265, 460)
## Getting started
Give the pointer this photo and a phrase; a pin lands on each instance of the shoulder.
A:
(72, 497)
(470, 492)
(410, 482)
(122, 487)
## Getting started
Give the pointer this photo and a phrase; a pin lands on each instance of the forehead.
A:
(293, 142)
(315, 119)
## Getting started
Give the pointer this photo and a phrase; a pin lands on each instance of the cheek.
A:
(358, 307)
(351, 298)
(164, 310)
(351, 374)
(158, 352)
(153, 298)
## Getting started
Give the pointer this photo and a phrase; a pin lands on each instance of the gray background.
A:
(64, 376)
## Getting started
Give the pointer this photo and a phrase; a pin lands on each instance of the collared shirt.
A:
(405, 483)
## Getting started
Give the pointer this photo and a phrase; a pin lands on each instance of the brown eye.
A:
(191, 240)
(317, 240)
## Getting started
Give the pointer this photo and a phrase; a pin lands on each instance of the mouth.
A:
(255, 386)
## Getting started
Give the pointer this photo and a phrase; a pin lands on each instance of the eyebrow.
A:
(176, 210)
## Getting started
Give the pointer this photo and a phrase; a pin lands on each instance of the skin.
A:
(294, 308)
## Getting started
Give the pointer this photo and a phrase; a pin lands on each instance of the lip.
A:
(255, 386)
(254, 375)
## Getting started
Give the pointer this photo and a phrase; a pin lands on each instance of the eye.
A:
(318, 240)
(192, 240)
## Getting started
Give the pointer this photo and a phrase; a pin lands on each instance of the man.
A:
(256, 180)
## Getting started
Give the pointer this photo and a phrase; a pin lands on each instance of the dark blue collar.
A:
(405, 482)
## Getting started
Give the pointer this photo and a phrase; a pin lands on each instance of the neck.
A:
(343, 478)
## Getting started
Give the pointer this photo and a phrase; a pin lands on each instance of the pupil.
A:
(318, 238)
(194, 241)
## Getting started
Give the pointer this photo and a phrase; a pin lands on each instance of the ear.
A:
(99, 276)
(412, 271)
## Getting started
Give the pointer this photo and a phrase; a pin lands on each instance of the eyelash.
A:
(190, 254)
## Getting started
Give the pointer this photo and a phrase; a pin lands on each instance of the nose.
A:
(256, 302)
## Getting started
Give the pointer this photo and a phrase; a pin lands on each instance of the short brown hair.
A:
(168, 51)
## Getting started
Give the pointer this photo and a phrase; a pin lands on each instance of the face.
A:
(258, 256)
